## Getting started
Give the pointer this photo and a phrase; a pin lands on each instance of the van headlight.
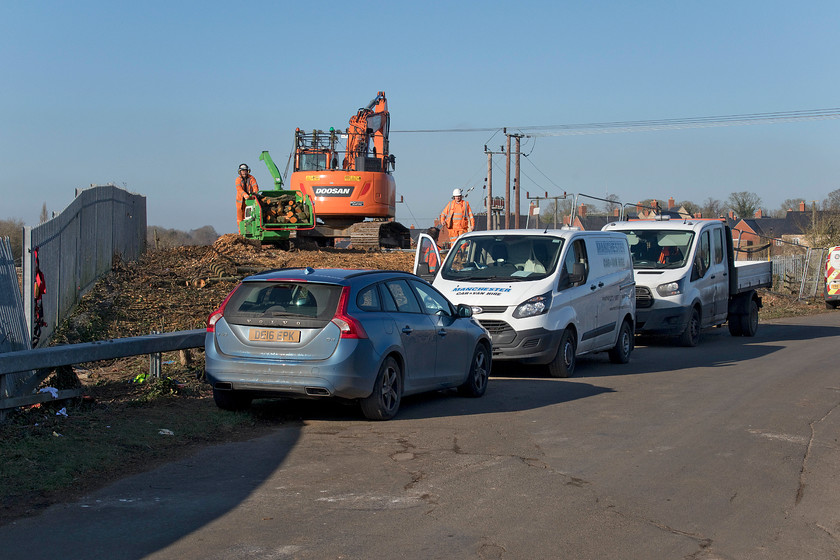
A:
(669, 289)
(537, 305)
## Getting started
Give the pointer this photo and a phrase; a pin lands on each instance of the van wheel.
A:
(384, 401)
(749, 322)
(620, 353)
(563, 364)
(691, 334)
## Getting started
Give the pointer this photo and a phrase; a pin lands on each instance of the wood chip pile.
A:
(176, 289)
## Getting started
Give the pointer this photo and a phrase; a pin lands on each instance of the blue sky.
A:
(167, 98)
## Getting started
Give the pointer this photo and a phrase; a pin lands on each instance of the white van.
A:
(545, 297)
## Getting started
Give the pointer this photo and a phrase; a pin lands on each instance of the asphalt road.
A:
(724, 451)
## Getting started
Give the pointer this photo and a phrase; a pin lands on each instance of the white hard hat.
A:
(456, 192)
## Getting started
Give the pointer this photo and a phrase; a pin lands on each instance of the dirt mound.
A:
(176, 289)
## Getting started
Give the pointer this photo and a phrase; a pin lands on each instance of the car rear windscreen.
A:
(271, 303)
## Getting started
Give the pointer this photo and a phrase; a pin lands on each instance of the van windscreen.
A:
(658, 248)
(502, 258)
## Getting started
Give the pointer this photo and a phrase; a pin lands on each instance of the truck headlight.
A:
(537, 305)
(669, 289)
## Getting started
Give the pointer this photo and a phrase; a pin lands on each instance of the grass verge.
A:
(59, 451)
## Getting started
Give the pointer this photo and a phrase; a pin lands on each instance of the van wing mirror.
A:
(464, 310)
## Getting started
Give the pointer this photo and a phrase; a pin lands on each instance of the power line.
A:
(656, 124)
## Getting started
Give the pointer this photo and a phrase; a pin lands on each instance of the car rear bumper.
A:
(346, 374)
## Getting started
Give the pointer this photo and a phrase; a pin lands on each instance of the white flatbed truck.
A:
(687, 278)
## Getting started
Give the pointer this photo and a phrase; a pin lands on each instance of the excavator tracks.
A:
(373, 236)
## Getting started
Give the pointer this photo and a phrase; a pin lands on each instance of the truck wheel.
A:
(691, 334)
(563, 364)
(735, 325)
(620, 353)
(831, 305)
(749, 322)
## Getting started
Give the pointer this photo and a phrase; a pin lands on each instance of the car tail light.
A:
(217, 314)
(350, 327)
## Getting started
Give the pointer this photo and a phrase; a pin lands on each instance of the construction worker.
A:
(457, 217)
(429, 256)
(246, 189)
(669, 255)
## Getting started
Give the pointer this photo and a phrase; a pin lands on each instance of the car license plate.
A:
(274, 335)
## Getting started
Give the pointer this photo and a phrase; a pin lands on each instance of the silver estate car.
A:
(368, 335)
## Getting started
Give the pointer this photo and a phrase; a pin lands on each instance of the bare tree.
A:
(712, 208)
(563, 208)
(613, 204)
(44, 214)
(832, 201)
(689, 206)
(744, 203)
(13, 229)
(789, 204)
(824, 229)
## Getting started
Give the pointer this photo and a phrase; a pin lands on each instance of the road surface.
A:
(724, 451)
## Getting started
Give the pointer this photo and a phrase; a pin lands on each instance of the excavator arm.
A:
(371, 122)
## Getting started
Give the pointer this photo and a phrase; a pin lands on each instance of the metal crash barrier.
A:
(69, 354)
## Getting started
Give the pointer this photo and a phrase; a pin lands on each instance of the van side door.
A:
(702, 276)
(579, 292)
(720, 274)
(608, 278)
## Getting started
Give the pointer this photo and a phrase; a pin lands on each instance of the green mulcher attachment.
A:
(275, 214)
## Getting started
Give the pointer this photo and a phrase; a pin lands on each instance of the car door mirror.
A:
(464, 311)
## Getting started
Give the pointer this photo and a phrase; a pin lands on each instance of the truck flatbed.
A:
(750, 275)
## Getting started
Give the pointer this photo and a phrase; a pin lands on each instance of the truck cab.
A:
(545, 297)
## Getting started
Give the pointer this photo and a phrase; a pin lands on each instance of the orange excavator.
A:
(348, 177)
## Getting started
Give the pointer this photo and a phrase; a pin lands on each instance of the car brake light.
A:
(349, 326)
(218, 313)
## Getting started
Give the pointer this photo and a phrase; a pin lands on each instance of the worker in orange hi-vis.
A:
(246, 188)
(457, 217)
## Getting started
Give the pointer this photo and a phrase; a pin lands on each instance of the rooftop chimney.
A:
(670, 203)
(802, 206)
(582, 211)
(758, 213)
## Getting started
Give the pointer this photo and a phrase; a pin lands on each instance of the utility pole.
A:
(489, 197)
(517, 185)
(492, 211)
(507, 179)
